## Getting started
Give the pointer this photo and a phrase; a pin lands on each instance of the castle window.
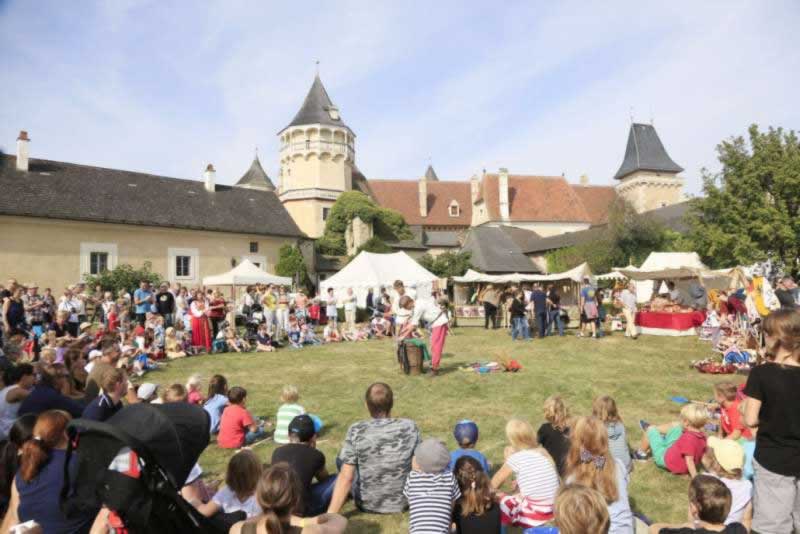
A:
(96, 258)
(325, 213)
(253, 246)
(98, 262)
(454, 209)
(308, 144)
(184, 264)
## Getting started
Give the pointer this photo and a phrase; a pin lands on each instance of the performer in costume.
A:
(201, 331)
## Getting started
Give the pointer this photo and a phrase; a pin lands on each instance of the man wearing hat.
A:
(34, 308)
(308, 463)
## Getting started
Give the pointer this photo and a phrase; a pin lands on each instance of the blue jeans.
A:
(519, 327)
(252, 437)
(541, 322)
(555, 317)
(321, 494)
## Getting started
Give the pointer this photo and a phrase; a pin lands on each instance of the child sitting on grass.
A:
(431, 489)
(234, 342)
(466, 435)
(307, 335)
(709, 505)
(676, 447)
(264, 342)
(193, 395)
(331, 333)
(605, 409)
(238, 494)
(724, 459)
(475, 512)
(288, 410)
(581, 510)
(731, 425)
(293, 333)
(175, 393)
(173, 347)
(216, 401)
(237, 427)
(554, 434)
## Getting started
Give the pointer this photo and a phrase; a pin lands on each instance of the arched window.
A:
(454, 209)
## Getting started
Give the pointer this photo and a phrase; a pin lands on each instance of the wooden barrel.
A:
(415, 362)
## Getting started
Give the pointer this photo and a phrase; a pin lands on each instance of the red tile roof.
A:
(597, 199)
(403, 196)
(535, 199)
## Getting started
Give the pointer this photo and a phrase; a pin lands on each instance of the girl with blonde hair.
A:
(536, 477)
(581, 510)
(590, 464)
(605, 409)
(553, 435)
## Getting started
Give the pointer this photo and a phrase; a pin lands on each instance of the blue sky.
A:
(537, 87)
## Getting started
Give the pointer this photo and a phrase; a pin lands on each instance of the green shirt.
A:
(286, 413)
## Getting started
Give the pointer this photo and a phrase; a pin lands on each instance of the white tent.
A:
(576, 274)
(681, 267)
(475, 277)
(370, 270)
(245, 274)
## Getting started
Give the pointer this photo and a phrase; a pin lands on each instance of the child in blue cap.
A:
(466, 434)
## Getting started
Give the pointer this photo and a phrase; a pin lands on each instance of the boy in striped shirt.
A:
(286, 412)
(431, 489)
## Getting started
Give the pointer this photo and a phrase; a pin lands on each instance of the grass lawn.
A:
(641, 375)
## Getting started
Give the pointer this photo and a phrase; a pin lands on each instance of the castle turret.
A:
(648, 178)
(317, 156)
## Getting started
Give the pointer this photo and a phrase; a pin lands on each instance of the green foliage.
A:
(751, 208)
(447, 264)
(387, 224)
(374, 244)
(291, 263)
(124, 277)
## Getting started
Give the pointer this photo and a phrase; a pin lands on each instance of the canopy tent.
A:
(371, 270)
(475, 277)
(245, 274)
(576, 274)
(613, 275)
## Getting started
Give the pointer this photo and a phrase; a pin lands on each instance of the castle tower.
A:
(317, 156)
(648, 178)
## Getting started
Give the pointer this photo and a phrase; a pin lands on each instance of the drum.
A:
(412, 362)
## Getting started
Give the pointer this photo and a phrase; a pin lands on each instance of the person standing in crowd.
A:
(143, 299)
(628, 300)
(371, 300)
(34, 309)
(773, 395)
(14, 313)
(490, 298)
(588, 307)
(165, 304)
(519, 318)
(376, 457)
(49, 305)
(330, 308)
(216, 312)
(268, 303)
(554, 310)
(785, 292)
(70, 305)
(301, 305)
(181, 304)
(201, 332)
(539, 300)
(350, 309)
(437, 318)
(281, 313)
(81, 298)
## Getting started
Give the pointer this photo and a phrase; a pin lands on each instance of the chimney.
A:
(474, 187)
(502, 191)
(22, 151)
(584, 180)
(209, 175)
(423, 197)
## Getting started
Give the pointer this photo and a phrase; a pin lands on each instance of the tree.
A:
(374, 244)
(291, 263)
(387, 224)
(125, 277)
(751, 208)
(447, 264)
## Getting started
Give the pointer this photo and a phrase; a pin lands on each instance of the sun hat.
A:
(146, 390)
(729, 454)
(432, 456)
(466, 431)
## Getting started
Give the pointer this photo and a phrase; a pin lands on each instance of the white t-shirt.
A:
(628, 299)
(8, 411)
(741, 493)
(349, 302)
(536, 475)
(230, 503)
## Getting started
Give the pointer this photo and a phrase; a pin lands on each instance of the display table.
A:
(669, 324)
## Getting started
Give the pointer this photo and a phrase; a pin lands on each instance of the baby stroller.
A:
(135, 464)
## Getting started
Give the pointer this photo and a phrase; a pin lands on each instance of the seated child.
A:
(554, 434)
(234, 342)
(237, 427)
(172, 346)
(220, 343)
(193, 395)
(605, 409)
(476, 511)
(307, 336)
(331, 333)
(724, 459)
(431, 489)
(175, 393)
(356, 333)
(731, 425)
(238, 494)
(159, 333)
(264, 342)
(217, 400)
(581, 510)
(677, 447)
(288, 410)
(379, 327)
(293, 333)
(709, 505)
(466, 434)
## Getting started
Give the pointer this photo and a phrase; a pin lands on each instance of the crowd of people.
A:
(78, 357)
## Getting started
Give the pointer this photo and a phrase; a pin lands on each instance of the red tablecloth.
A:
(670, 321)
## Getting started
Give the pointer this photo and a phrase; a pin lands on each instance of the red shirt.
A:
(731, 420)
(217, 313)
(233, 426)
(313, 311)
(690, 443)
(113, 322)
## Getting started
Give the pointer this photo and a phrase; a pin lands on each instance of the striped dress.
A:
(538, 483)
(286, 413)
(431, 497)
